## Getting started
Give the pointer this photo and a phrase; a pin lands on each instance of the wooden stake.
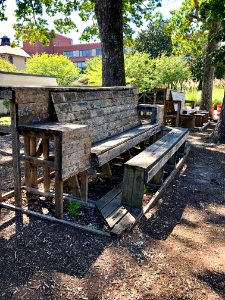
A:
(45, 148)
(84, 186)
(107, 170)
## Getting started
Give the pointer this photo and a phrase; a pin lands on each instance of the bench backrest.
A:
(106, 111)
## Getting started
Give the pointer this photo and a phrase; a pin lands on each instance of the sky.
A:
(6, 26)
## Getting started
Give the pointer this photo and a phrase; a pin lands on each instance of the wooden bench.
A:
(88, 126)
(149, 165)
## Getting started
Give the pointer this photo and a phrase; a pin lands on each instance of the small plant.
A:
(73, 208)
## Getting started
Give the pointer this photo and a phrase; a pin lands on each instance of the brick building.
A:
(77, 53)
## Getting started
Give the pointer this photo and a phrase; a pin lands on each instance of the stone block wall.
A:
(107, 112)
(33, 105)
(76, 149)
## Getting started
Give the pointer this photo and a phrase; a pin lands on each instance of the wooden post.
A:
(171, 163)
(27, 164)
(158, 178)
(33, 167)
(84, 186)
(74, 185)
(15, 150)
(45, 148)
(58, 176)
(142, 146)
(107, 170)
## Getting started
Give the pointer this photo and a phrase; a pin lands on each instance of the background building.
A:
(77, 53)
(15, 55)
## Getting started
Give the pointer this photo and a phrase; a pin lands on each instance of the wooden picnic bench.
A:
(149, 165)
(123, 206)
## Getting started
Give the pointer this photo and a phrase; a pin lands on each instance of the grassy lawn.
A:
(5, 121)
(196, 95)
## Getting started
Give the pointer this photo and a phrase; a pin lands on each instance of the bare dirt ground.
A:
(176, 253)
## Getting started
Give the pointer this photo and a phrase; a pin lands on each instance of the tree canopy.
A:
(154, 40)
(55, 65)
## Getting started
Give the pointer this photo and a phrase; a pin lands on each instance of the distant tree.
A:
(55, 65)
(93, 71)
(154, 40)
(145, 72)
(6, 66)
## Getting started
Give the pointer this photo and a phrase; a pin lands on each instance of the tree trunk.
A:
(209, 69)
(110, 22)
(219, 133)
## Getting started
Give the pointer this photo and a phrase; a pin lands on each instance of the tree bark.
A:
(209, 69)
(110, 22)
(219, 132)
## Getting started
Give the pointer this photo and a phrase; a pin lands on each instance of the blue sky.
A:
(6, 26)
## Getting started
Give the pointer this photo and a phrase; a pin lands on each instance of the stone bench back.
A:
(106, 111)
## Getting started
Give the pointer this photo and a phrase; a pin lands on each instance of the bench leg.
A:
(58, 177)
(84, 186)
(171, 163)
(133, 187)
(74, 185)
(158, 178)
(181, 150)
(107, 170)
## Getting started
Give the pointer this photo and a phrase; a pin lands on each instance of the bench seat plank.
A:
(151, 155)
(104, 151)
(144, 166)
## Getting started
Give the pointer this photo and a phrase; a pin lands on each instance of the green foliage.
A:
(194, 94)
(154, 40)
(93, 71)
(55, 65)
(171, 72)
(6, 66)
(145, 72)
(34, 15)
(6, 103)
(139, 69)
(73, 208)
(5, 121)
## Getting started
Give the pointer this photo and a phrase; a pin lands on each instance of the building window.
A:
(98, 52)
(10, 59)
(69, 53)
(81, 65)
(86, 53)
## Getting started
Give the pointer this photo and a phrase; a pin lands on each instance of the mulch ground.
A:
(176, 253)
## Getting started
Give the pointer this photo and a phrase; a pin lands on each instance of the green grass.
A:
(5, 121)
(196, 95)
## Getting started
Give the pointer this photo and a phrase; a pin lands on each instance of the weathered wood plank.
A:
(150, 155)
(116, 151)
(125, 223)
(38, 161)
(84, 186)
(58, 177)
(111, 207)
(45, 151)
(15, 149)
(137, 191)
(33, 166)
(108, 197)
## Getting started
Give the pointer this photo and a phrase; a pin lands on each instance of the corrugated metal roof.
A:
(13, 51)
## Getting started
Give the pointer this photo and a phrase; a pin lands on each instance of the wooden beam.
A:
(53, 219)
(58, 176)
(38, 161)
(84, 186)
(107, 170)
(45, 150)
(74, 185)
(15, 150)
(33, 167)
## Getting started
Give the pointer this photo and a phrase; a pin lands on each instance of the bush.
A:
(6, 66)
(55, 65)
